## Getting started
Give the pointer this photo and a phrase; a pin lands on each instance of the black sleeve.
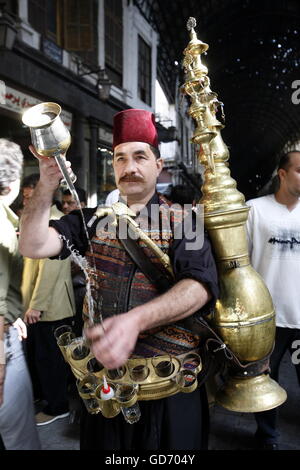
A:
(196, 264)
(72, 230)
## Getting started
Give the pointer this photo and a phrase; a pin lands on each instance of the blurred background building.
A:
(97, 57)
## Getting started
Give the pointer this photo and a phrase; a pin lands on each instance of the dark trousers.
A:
(48, 369)
(267, 420)
(79, 293)
(179, 422)
(2, 447)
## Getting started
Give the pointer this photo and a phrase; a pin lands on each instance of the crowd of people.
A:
(42, 290)
(37, 296)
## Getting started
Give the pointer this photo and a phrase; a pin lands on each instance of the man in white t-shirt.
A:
(112, 197)
(273, 230)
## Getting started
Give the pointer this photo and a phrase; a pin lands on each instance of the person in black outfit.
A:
(137, 317)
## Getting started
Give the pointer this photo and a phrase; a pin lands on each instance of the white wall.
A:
(25, 31)
(134, 25)
(165, 114)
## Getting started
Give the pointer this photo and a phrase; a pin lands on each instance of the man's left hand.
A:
(32, 316)
(21, 328)
(113, 343)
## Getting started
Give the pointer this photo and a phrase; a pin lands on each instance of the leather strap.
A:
(161, 281)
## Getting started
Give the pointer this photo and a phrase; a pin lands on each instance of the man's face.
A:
(69, 204)
(290, 178)
(136, 170)
(27, 193)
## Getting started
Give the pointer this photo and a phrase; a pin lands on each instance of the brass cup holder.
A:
(141, 378)
(192, 361)
(186, 381)
(86, 389)
(163, 367)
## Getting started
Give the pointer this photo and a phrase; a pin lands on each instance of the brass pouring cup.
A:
(48, 132)
(50, 137)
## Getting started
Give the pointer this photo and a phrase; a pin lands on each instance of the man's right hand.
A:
(50, 174)
(114, 340)
(38, 240)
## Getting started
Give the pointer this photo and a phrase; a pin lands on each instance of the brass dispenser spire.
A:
(244, 316)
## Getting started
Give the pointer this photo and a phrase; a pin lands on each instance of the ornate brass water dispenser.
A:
(244, 316)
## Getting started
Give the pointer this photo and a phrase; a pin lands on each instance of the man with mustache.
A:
(273, 230)
(140, 319)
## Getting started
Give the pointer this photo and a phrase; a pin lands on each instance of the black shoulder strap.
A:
(161, 281)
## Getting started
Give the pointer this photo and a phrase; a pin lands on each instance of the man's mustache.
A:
(131, 179)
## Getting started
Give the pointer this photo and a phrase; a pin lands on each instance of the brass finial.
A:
(191, 23)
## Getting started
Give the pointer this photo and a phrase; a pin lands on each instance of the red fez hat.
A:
(135, 125)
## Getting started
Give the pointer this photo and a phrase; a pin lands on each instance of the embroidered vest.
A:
(123, 286)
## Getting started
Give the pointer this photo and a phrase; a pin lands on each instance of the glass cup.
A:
(64, 336)
(126, 395)
(139, 372)
(93, 365)
(114, 374)
(192, 361)
(163, 365)
(186, 380)
(63, 329)
(79, 349)
(131, 413)
(86, 389)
